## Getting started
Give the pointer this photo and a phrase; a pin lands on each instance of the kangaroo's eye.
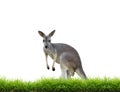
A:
(49, 40)
(43, 40)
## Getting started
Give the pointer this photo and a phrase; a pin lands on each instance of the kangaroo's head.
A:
(46, 38)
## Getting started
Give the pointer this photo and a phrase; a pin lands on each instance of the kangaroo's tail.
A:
(81, 73)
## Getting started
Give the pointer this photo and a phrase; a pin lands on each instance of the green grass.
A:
(61, 85)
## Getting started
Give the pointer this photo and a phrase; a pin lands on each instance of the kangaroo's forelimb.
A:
(47, 61)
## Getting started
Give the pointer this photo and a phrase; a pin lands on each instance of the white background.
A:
(90, 26)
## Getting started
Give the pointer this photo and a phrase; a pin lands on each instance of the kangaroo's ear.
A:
(52, 33)
(41, 33)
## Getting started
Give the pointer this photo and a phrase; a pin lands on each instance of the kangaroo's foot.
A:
(53, 68)
(48, 67)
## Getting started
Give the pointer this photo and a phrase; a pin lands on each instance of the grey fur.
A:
(63, 54)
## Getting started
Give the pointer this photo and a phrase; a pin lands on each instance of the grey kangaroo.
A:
(63, 54)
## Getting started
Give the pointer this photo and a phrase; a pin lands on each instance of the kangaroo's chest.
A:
(52, 54)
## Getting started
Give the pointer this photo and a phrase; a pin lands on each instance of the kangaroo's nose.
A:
(46, 47)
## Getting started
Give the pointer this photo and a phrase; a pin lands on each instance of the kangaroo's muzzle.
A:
(46, 46)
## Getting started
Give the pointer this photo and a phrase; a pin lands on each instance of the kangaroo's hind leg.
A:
(66, 74)
(66, 64)
(63, 73)
(64, 70)
(70, 73)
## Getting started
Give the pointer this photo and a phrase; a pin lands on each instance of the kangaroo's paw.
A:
(53, 68)
(48, 67)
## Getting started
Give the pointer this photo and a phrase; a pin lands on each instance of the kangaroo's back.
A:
(62, 48)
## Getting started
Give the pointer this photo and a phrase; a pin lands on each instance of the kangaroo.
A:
(63, 54)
